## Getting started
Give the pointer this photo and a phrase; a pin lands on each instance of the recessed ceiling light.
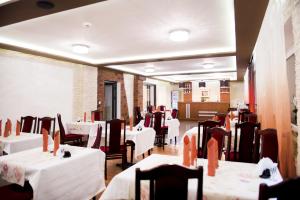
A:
(179, 35)
(208, 65)
(149, 70)
(80, 48)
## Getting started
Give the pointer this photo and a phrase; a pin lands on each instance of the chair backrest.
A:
(150, 109)
(288, 189)
(269, 144)
(26, 124)
(97, 142)
(148, 120)
(137, 115)
(205, 124)
(251, 117)
(115, 129)
(246, 151)
(174, 113)
(162, 108)
(46, 123)
(221, 118)
(157, 122)
(219, 134)
(62, 132)
(97, 115)
(242, 113)
(169, 182)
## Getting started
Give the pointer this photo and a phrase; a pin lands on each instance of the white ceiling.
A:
(124, 30)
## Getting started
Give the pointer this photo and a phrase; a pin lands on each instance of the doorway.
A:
(110, 94)
(150, 94)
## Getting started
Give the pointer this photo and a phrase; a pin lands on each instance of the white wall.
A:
(37, 86)
(213, 88)
(129, 85)
(236, 93)
(163, 92)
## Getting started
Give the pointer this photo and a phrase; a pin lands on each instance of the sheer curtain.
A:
(273, 103)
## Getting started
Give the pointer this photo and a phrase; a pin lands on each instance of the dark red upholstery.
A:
(174, 113)
(242, 113)
(162, 108)
(149, 109)
(148, 120)
(16, 192)
(205, 125)
(221, 118)
(137, 115)
(251, 117)
(247, 143)
(46, 123)
(97, 115)
(26, 124)
(219, 134)
(269, 144)
(114, 148)
(67, 137)
(286, 190)
(160, 132)
(97, 142)
(169, 182)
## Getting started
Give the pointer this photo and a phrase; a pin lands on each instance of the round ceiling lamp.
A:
(149, 68)
(208, 65)
(80, 48)
(179, 35)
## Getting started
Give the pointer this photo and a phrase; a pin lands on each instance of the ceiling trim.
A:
(18, 11)
(195, 73)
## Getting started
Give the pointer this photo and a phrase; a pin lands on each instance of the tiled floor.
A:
(171, 149)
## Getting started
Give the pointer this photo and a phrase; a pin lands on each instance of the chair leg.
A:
(163, 142)
(149, 152)
(143, 156)
(131, 156)
(175, 140)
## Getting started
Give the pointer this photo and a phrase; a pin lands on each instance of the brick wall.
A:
(110, 75)
(138, 91)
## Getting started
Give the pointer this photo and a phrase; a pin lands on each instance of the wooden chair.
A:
(148, 120)
(246, 151)
(268, 146)
(17, 192)
(97, 142)
(150, 109)
(66, 138)
(46, 123)
(97, 115)
(174, 113)
(169, 182)
(221, 118)
(251, 117)
(242, 113)
(162, 108)
(288, 189)
(26, 124)
(160, 134)
(205, 124)
(219, 134)
(137, 115)
(115, 148)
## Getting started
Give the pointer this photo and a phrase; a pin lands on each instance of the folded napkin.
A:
(56, 142)
(84, 117)
(93, 117)
(6, 129)
(227, 121)
(231, 115)
(131, 122)
(212, 156)
(9, 125)
(193, 150)
(18, 128)
(186, 151)
(45, 140)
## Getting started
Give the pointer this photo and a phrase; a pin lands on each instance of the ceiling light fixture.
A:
(80, 48)
(208, 65)
(149, 70)
(179, 35)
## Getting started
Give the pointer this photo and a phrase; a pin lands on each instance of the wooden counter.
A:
(190, 111)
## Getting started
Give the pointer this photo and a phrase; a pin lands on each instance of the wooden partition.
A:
(192, 109)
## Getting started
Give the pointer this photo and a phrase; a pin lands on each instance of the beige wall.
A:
(38, 86)
(236, 93)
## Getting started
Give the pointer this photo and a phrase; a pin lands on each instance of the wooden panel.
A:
(181, 110)
(225, 97)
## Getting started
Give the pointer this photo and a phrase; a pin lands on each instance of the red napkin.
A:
(193, 150)
(18, 128)
(84, 117)
(45, 140)
(131, 123)
(93, 117)
(9, 125)
(186, 151)
(212, 156)
(56, 142)
(6, 130)
(0, 127)
(227, 123)
(231, 115)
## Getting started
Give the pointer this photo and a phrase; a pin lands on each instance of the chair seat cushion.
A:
(73, 136)
(106, 150)
(164, 127)
(16, 192)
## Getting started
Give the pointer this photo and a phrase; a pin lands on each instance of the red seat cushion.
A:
(164, 127)
(16, 192)
(73, 136)
(231, 156)
(105, 150)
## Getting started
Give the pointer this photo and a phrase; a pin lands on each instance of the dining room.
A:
(137, 99)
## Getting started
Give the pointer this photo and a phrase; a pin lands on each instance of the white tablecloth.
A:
(143, 140)
(233, 180)
(79, 177)
(14, 144)
(173, 128)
